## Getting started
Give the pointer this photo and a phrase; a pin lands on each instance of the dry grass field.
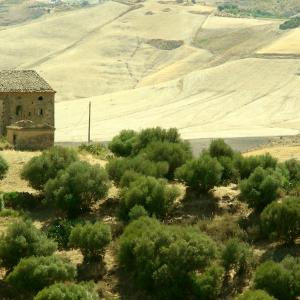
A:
(160, 63)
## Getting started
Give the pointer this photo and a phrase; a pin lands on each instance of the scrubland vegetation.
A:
(154, 212)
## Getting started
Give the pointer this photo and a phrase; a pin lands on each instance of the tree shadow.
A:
(194, 207)
(279, 251)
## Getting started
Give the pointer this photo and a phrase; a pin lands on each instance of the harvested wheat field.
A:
(160, 63)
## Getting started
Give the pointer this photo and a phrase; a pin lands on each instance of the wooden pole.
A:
(89, 130)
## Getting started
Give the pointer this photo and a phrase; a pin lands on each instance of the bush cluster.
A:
(238, 256)
(22, 239)
(77, 187)
(281, 219)
(46, 166)
(262, 187)
(70, 291)
(280, 280)
(3, 167)
(164, 259)
(201, 174)
(255, 295)
(154, 195)
(21, 200)
(291, 23)
(91, 239)
(34, 273)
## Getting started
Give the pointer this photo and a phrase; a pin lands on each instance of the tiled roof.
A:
(23, 81)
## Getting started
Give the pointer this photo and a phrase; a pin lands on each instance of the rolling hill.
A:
(162, 63)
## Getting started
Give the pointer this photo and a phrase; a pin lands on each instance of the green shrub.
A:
(70, 291)
(98, 150)
(291, 23)
(136, 212)
(230, 173)
(7, 212)
(208, 285)
(280, 280)
(255, 295)
(91, 239)
(201, 174)
(238, 256)
(47, 165)
(75, 189)
(3, 167)
(293, 167)
(128, 177)
(157, 134)
(21, 200)
(218, 148)
(175, 154)
(151, 193)
(281, 220)
(35, 273)
(116, 168)
(123, 143)
(23, 239)
(164, 259)
(261, 188)
(247, 165)
(60, 231)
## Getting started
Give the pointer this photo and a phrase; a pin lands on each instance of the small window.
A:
(29, 114)
(14, 139)
(18, 110)
(41, 98)
(41, 112)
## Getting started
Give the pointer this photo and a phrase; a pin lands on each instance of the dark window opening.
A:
(41, 98)
(14, 139)
(19, 110)
(41, 113)
(29, 114)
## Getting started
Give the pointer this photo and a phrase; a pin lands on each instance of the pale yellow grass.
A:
(287, 44)
(282, 153)
(16, 160)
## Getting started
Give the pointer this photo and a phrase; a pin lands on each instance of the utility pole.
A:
(89, 130)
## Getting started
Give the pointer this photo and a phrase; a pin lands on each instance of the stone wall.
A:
(30, 139)
(35, 106)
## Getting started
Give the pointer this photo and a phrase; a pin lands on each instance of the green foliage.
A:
(175, 154)
(281, 220)
(98, 150)
(21, 200)
(128, 177)
(247, 165)
(230, 172)
(255, 295)
(281, 280)
(70, 291)
(23, 239)
(238, 256)
(157, 134)
(201, 174)
(75, 189)
(60, 230)
(293, 167)
(3, 167)
(218, 148)
(47, 165)
(222, 228)
(151, 193)
(261, 188)
(136, 212)
(208, 285)
(291, 23)
(35, 273)
(116, 168)
(123, 143)
(91, 239)
(164, 259)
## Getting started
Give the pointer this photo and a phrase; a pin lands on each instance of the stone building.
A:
(26, 109)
